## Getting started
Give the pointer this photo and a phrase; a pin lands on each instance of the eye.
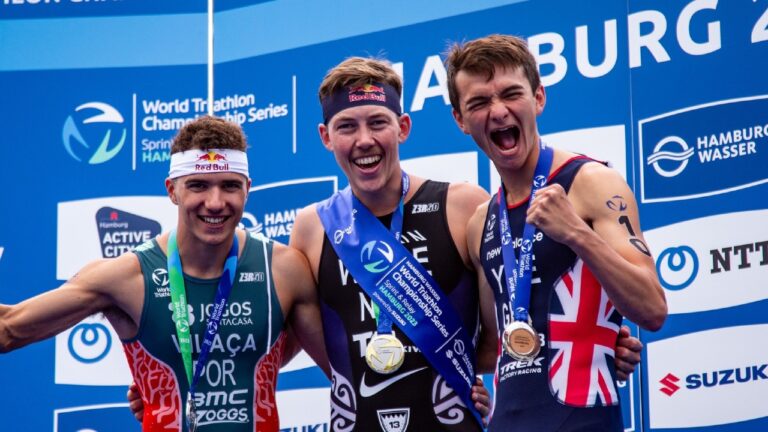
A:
(196, 186)
(233, 186)
(345, 126)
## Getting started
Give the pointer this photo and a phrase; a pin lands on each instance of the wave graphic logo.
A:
(89, 342)
(79, 147)
(677, 267)
(377, 259)
(679, 158)
(669, 384)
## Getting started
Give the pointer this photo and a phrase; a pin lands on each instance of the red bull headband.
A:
(367, 94)
(209, 161)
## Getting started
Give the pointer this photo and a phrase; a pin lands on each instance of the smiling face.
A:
(500, 115)
(365, 140)
(210, 206)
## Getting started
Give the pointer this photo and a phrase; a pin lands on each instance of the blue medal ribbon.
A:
(405, 292)
(181, 314)
(519, 272)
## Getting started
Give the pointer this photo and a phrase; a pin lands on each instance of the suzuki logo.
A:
(669, 386)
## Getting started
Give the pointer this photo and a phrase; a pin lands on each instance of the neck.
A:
(202, 260)
(384, 201)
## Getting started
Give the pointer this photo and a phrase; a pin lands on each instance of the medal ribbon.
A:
(405, 292)
(181, 314)
(519, 272)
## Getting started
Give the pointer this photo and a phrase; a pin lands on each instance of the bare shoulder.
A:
(595, 186)
(306, 226)
(466, 194)
(108, 276)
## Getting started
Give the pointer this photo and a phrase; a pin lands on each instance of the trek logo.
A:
(669, 384)
(377, 256)
(685, 153)
(80, 136)
(251, 277)
(717, 378)
(425, 208)
(120, 231)
(677, 267)
(394, 420)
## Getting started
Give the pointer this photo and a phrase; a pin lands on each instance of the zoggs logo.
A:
(724, 377)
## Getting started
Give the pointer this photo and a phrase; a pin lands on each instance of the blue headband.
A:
(367, 94)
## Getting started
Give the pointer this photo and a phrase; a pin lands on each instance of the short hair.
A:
(483, 55)
(357, 71)
(208, 132)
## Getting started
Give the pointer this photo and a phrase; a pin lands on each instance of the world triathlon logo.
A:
(91, 139)
(677, 267)
(377, 256)
(89, 342)
(670, 156)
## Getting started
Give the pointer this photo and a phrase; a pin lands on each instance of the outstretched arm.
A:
(52, 312)
(599, 221)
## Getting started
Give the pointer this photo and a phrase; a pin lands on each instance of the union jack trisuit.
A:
(570, 385)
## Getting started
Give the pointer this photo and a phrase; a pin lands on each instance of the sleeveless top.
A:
(415, 397)
(570, 386)
(236, 391)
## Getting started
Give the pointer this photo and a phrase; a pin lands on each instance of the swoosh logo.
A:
(366, 391)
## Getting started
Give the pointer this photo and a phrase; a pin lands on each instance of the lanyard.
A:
(181, 315)
(519, 271)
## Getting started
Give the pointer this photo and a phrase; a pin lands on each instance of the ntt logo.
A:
(677, 267)
(665, 151)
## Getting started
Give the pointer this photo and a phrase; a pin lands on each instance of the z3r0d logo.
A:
(98, 137)
(377, 256)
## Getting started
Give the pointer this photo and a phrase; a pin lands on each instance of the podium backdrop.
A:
(672, 92)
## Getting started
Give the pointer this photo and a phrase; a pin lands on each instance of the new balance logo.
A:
(425, 208)
(669, 386)
(251, 277)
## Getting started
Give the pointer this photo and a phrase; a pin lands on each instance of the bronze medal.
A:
(521, 341)
(384, 353)
(191, 414)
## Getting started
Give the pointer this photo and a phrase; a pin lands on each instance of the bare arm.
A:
(488, 346)
(91, 290)
(292, 273)
(613, 247)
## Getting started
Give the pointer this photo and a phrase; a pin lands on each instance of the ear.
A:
(325, 136)
(405, 127)
(170, 186)
(457, 117)
(541, 99)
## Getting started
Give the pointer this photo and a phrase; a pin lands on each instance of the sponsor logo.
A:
(394, 420)
(669, 384)
(684, 153)
(211, 161)
(182, 322)
(368, 391)
(616, 203)
(160, 279)
(89, 342)
(376, 256)
(249, 223)
(425, 208)
(540, 181)
(251, 277)
(677, 267)
(678, 387)
(367, 92)
(120, 231)
(722, 269)
(91, 138)
(92, 418)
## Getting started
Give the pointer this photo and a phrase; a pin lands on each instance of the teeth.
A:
(368, 160)
(213, 220)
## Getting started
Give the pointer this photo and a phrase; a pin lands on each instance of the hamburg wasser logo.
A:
(120, 231)
(377, 256)
(95, 139)
(704, 150)
(677, 267)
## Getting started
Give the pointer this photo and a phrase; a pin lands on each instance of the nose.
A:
(365, 137)
(214, 201)
(498, 110)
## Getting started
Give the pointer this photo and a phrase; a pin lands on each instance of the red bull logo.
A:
(211, 157)
(367, 92)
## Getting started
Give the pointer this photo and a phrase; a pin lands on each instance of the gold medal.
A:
(521, 341)
(384, 353)
(191, 414)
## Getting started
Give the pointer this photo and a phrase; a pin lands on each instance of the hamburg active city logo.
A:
(377, 256)
(95, 139)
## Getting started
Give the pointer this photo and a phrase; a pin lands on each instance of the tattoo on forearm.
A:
(634, 241)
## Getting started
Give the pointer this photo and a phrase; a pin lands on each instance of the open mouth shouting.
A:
(506, 138)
